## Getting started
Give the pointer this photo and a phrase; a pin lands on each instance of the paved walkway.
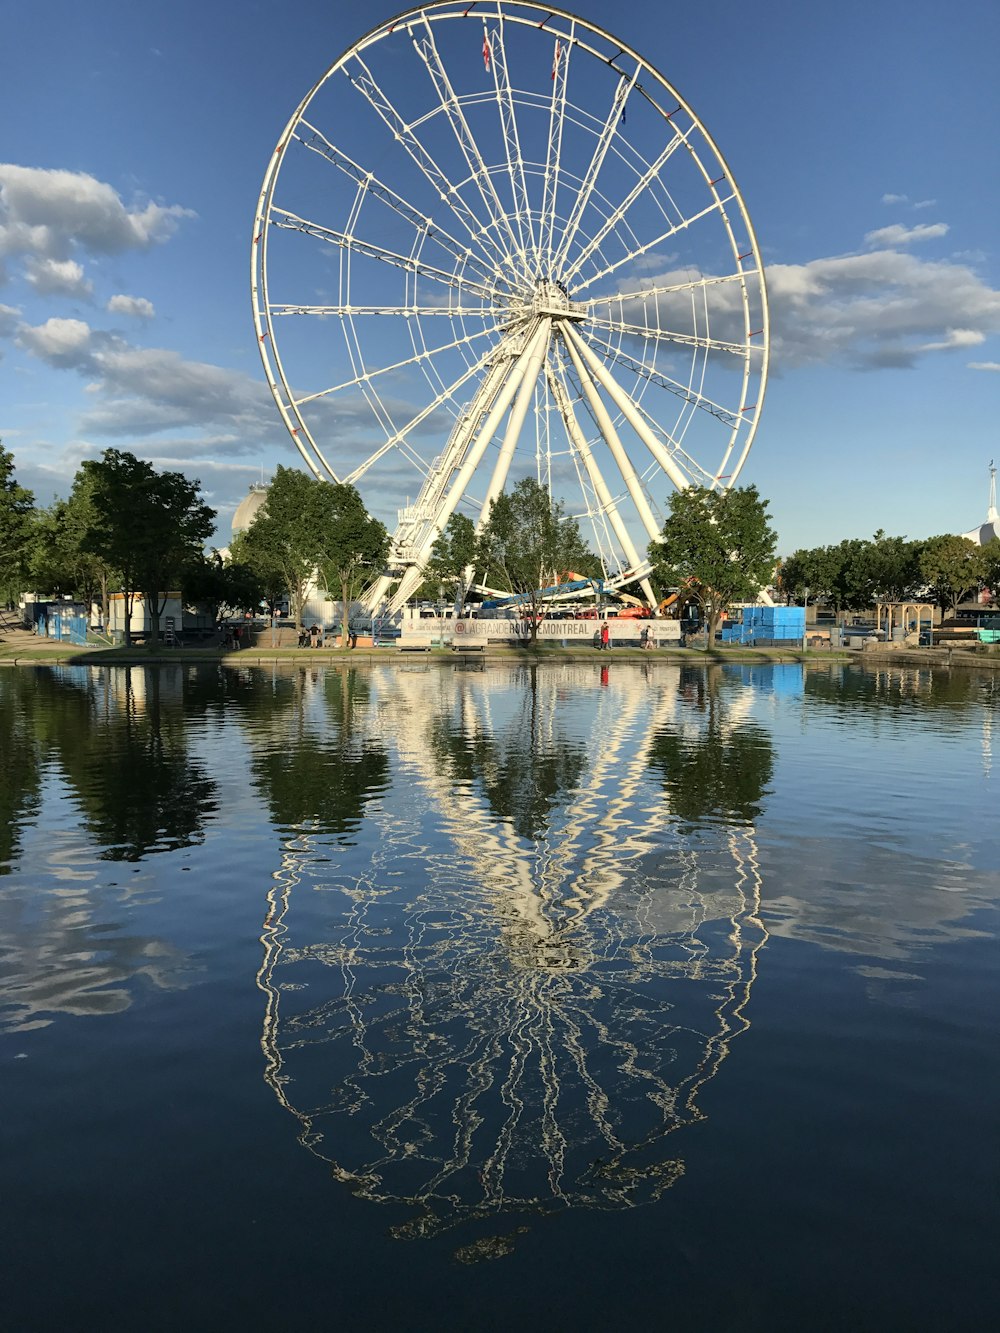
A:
(13, 636)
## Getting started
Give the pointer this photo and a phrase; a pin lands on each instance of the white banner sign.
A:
(573, 631)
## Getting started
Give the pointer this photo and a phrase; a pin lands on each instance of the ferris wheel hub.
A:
(549, 300)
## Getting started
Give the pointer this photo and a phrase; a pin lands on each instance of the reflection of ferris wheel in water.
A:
(505, 245)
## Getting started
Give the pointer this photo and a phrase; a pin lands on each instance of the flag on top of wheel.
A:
(486, 51)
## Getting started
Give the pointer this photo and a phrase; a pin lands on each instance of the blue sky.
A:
(863, 137)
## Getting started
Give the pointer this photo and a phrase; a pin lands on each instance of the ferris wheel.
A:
(493, 241)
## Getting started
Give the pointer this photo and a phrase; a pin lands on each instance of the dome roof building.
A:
(249, 507)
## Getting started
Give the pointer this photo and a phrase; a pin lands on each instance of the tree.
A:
(60, 560)
(216, 583)
(954, 568)
(451, 555)
(722, 540)
(351, 546)
(855, 573)
(281, 544)
(17, 508)
(527, 543)
(148, 525)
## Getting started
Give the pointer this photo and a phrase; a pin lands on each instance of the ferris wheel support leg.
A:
(529, 376)
(604, 496)
(618, 453)
(376, 593)
(411, 579)
(629, 411)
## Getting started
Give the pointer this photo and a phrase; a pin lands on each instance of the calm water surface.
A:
(577, 997)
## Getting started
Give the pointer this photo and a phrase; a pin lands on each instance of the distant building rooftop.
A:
(249, 507)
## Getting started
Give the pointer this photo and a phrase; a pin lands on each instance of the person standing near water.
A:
(605, 635)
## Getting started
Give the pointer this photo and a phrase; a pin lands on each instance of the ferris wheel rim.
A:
(581, 35)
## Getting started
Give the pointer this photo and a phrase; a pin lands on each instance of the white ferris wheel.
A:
(493, 241)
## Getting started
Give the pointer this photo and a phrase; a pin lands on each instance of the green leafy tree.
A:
(148, 525)
(721, 539)
(527, 544)
(954, 568)
(351, 546)
(991, 570)
(17, 510)
(60, 560)
(216, 583)
(282, 543)
(451, 555)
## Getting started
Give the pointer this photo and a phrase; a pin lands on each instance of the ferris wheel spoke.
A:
(498, 215)
(368, 181)
(652, 333)
(511, 140)
(696, 474)
(400, 436)
(586, 190)
(642, 184)
(479, 232)
(367, 376)
(670, 288)
(347, 241)
(727, 415)
(553, 151)
(398, 311)
(716, 206)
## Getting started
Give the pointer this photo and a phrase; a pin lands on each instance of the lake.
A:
(578, 996)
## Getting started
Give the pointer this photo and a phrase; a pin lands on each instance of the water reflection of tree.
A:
(710, 761)
(127, 761)
(317, 766)
(117, 741)
(20, 777)
(523, 769)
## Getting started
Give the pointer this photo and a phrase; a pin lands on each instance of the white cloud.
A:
(877, 310)
(10, 320)
(925, 203)
(136, 307)
(63, 343)
(956, 338)
(48, 213)
(984, 365)
(900, 235)
(895, 199)
(57, 277)
(884, 309)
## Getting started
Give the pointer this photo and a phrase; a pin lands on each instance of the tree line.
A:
(127, 527)
(855, 574)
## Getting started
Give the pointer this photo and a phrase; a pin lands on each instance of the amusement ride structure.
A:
(493, 241)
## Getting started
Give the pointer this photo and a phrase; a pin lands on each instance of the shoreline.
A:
(57, 654)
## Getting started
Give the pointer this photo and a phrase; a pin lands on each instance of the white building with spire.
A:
(990, 530)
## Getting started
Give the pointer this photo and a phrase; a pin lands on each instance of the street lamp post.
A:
(805, 614)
